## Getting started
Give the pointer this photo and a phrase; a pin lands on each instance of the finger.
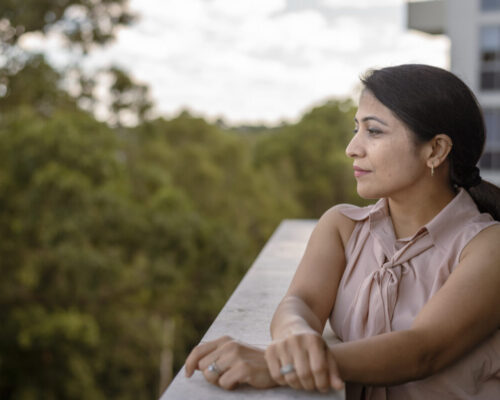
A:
(333, 372)
(274, 365)
(303, 370)
(209, 359)
(235, 375)
(211, 375)
(218, 363)
(244, 372)
(196, 354)
(199, 352)
(319, 368)
(227, 352)
(291, 378)
(218, 366)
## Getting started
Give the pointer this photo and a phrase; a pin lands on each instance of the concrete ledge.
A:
(247, 315)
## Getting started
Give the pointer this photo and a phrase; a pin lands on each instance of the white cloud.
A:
(180, 12)
(249, 61)
(366, 4)
(247, 9)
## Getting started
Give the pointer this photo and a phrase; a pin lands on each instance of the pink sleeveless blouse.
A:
(387, 281)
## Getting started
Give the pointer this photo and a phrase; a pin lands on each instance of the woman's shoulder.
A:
(343, 218)
(349, 212)
(344, 212)
(485, 242)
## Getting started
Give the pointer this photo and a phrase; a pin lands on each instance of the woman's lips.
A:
(358, 172)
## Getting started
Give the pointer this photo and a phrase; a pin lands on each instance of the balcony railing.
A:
(247, 315)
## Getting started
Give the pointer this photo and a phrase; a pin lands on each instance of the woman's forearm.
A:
(390, 358)
(297, 342)
(294, 316)
(387, 359)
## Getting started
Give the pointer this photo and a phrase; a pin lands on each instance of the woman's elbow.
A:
(429, 360)
(425, 365)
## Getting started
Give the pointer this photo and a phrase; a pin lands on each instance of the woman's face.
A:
(386, 159)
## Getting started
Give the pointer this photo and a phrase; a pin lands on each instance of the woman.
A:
(410, 284)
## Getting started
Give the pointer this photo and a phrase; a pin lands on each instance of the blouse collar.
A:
(446, 224)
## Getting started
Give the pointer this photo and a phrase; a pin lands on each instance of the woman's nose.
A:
(353, 149)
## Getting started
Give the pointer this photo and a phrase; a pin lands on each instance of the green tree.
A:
(34, 83)
(237, 209)
(130, 100)
(90, 269)
(110, 234)
(310, 157)
(82, 22)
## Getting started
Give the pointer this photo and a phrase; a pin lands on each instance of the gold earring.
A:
(432, 170)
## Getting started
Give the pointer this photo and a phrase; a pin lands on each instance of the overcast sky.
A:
(254, 61)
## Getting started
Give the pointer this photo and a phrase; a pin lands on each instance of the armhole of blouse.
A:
(358, 223)
(474, 234)
(349, 247)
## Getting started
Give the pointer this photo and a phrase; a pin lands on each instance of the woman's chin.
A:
(367, 193)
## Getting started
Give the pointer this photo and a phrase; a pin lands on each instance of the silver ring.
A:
(214, 368)
(287, 369)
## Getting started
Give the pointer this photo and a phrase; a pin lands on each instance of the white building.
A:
(473, 27)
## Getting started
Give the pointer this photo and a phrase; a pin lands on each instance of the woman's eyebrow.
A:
(371, 117)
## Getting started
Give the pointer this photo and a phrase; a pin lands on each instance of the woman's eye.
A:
(373, 131)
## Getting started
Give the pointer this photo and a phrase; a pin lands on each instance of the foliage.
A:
(108, 232)
(72, 262)
(82, 25)
(33, 83)
(309, 156)
(82, 22)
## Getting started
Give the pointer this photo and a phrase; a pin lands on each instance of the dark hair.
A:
(431, 100)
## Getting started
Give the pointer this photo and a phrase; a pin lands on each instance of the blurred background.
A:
(148, 149)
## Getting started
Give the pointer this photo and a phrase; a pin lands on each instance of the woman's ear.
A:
(439, 148)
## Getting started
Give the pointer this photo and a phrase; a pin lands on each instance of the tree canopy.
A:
(81, 22)
(121, 243)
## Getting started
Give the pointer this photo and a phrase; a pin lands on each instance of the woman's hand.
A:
(314, 367)
(228, 363)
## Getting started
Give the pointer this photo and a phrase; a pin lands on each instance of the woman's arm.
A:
(299, 320)
(312, 292)
(464, 312)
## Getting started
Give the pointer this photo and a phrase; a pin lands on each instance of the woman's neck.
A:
(411, 211)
